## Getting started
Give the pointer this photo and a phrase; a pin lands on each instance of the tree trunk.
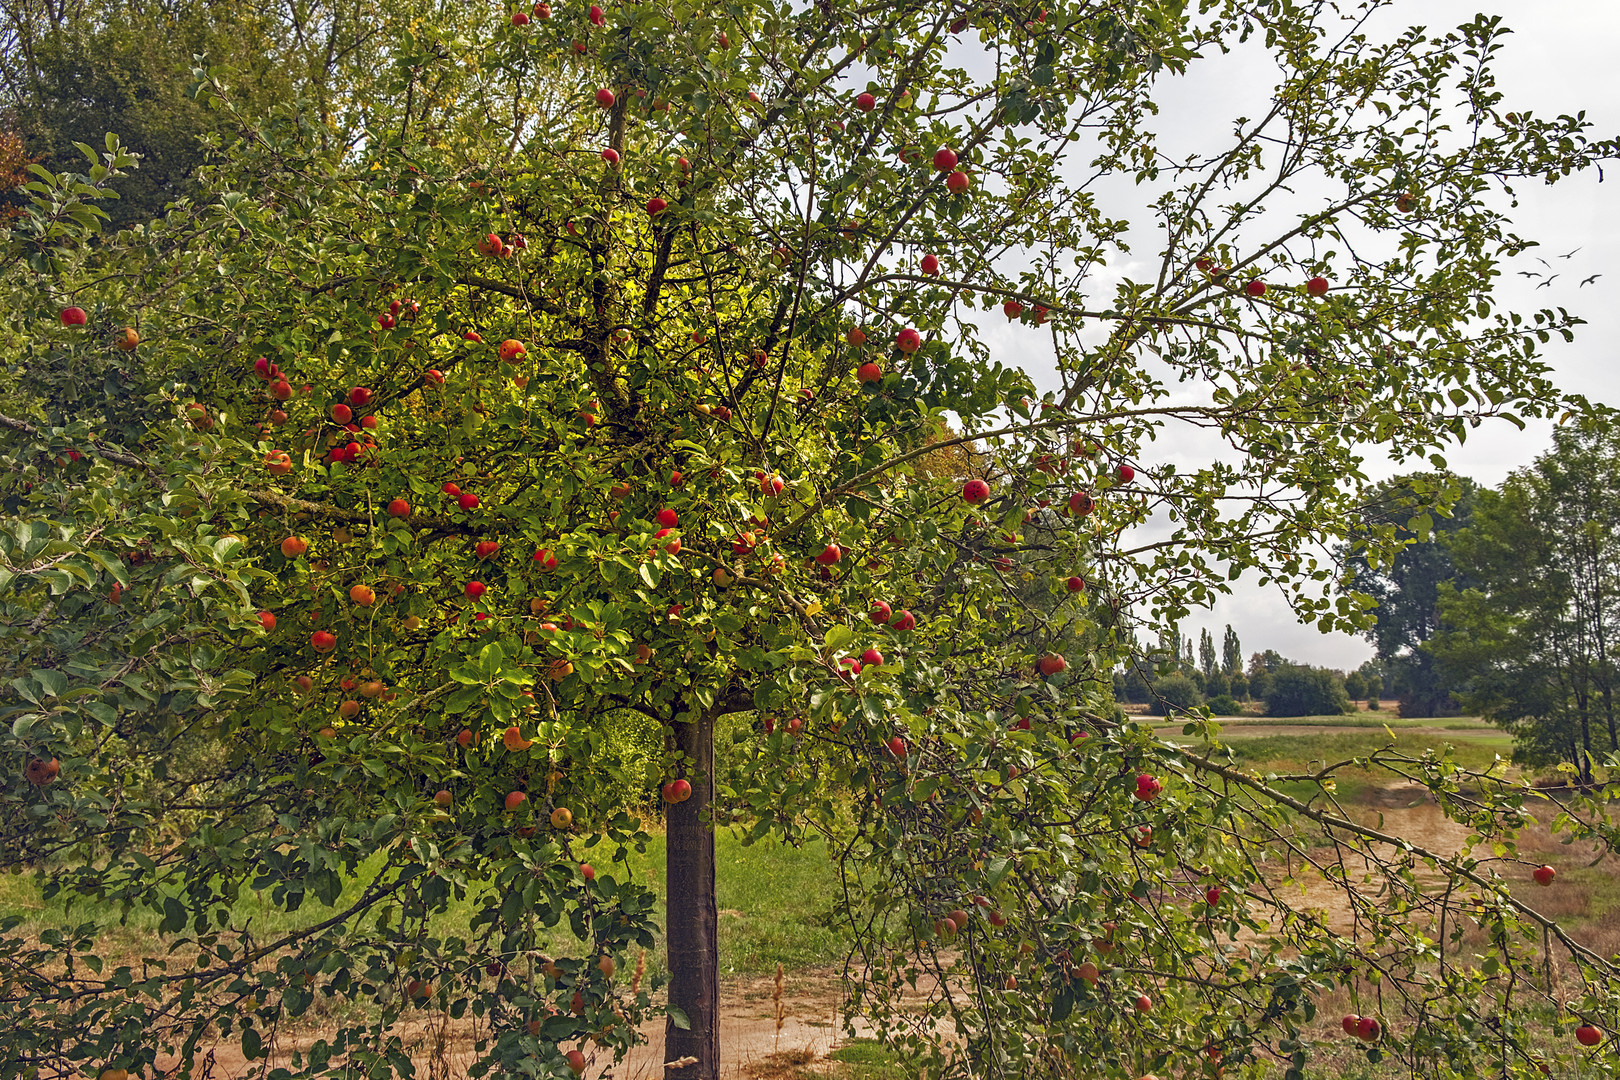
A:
(694, 959)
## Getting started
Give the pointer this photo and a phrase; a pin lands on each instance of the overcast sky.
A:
(1560, 59)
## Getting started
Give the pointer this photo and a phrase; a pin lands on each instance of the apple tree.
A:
(645, 362)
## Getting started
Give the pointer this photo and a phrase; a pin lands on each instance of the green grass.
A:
(778, 904)
(866, 1059)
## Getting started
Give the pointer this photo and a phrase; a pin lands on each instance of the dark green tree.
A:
(1231, 653)
(1529, 631)
(1206, 654)
(1420, 509)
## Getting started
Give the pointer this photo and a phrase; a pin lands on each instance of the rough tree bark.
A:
(694, 959)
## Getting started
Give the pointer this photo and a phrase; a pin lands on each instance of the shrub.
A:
(1305, 691)
(1176, 691)
(1224, 705)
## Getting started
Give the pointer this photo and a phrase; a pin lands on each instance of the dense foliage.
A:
(629, 364)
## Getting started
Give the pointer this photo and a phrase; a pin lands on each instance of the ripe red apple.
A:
(1349, 1023)
(464, 738)
(1126, 474)
(399, 508)
(1544, 875)
(1317, 286)
(126, 339)
(1255, 288)
(1588, 1035)
(957, 182)
(597, 18)
(512, 351)
(485, 548)
(362, 595)
(451, 490)
(605, 97)
(872, 658)
(386, 321)
(610, 155)
(281, 390)
(576, 1062)
(1012, 309)
(515, 799)
(1212, 895)
(587, 871)
(341, 413)
(829, 555)
(1088, 971)
(868, 373)
(467, 501)
(293, 546)
(278, 463)
(667, 518)
(897, 747)
(542, 11)
(881, 612)
(865, 102)
(904, 621)
(930, 265)
(73, 316)
(1147, 787)
(473, 589)
(656, 206)
(944, 159)
(520, 18)
(359, 397)
(908, 340)
(267, 619)
(322, 641)
(856, 336)
(1076, 584)
(674, 545)
(1144, 1003)
(1367, 1029)
(441, 798)
(975, 491)
(679, 791)
(348, 710)
(1051, 664)
(1081, 503)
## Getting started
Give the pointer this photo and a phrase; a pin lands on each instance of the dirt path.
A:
(749, 1036)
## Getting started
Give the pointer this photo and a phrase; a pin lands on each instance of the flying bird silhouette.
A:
(1589, 280)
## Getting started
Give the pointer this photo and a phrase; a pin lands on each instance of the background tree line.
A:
(1268, 681)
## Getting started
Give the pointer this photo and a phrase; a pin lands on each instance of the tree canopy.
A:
(614, 368)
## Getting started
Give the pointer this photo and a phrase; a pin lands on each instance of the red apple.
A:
(904, 621)
(341, 413)
(512, 351)
(267, 619)
(515, 799)
(399, 508)
(1367, 1029)
(1076, 584)
(674, 545)
(1588, 1035)
(865, 102)
(587, 871)
(908, 340)
(1147, 787)
(359, 397)
(897, 747)
(604, 96)
(856, 336)
(930, 265)
(1212, 895)
(485, 548)
(1544, 875)
(467, 501)
(1012, 309)
(872, 658)
(293, 546)
(322, 641)
(958, 182)
(1051, 664)
(441, 798)
(451, 490)
(576, 1060)
(656, 206)
(597, 18)
(829, 555)
(1144, 1003)
(944, 159)
(73, 316)
(278, 463)
(868, 373)
(473, 590)
(1349, 1023)
(1255, 288)
(881, 612)
(1126, 474)
(667, 518)
(975, 491)
(464, 738)
(610, 155)
(1081, 504)
(1317, 286)
(520, 18)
